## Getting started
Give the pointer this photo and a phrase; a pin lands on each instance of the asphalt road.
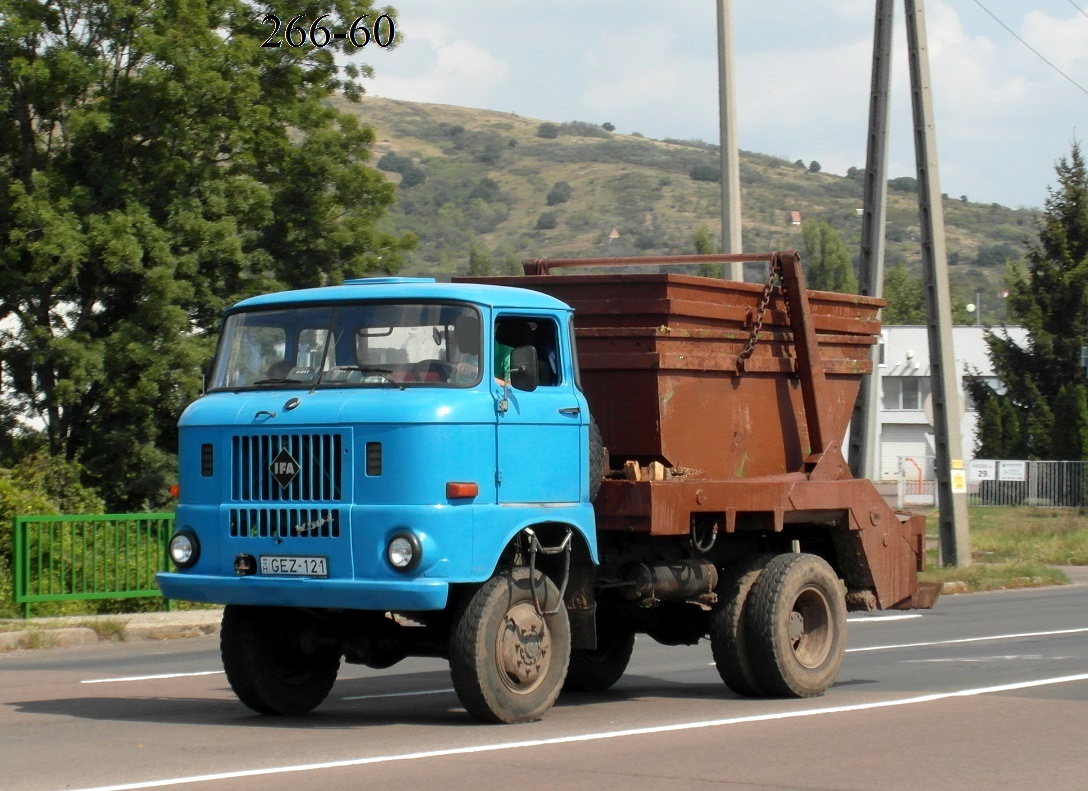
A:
(988, 691)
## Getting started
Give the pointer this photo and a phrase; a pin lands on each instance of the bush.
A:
(486, 189)
(903, 184)
(582, 129)
(411, 177)
(559, 193)
(705, 173)
(394, 163)
(547, 131)
(547, 221)
(40, 485)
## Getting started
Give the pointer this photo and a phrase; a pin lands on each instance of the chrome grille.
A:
(285, 522)
(320, 465)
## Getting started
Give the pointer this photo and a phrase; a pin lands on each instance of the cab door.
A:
(541, 451)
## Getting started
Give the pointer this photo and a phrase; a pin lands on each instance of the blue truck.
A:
(399, 467)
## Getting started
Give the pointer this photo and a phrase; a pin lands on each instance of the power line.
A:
(1026, 44)
(1082, 11)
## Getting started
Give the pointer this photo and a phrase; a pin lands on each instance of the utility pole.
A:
(955, 545)
(864, 459)
(731, 228)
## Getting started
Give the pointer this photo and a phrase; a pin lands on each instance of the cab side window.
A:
(512, 332)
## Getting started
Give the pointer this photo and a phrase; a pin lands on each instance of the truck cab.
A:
(364, 454)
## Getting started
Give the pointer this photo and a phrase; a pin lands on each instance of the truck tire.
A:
(796, 625)
(508, 662)
(596, 459)
(728, 630)
(597, 669)
(269, 665)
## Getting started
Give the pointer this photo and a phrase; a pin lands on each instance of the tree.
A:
(828, 264)
(704, 242)
(814, 167)
(906, 297)
(608, 126)
(1044, 380)
(1071, 414)
(156, 163)
(511, 265)
(704, 245)
(480, 263)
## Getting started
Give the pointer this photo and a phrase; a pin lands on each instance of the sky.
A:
(1003, 116)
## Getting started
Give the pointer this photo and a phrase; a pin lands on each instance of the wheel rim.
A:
(523, 649)
(809, 627)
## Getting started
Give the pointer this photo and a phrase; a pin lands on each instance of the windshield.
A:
(357, 345)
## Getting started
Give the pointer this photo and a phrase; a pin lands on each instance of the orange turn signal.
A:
(458, 490)
(175, 490)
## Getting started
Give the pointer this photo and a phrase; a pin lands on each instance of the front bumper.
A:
(386, 595)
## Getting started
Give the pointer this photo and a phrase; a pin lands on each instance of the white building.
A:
(905, 429)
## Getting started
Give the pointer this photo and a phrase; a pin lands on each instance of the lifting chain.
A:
(774, 280)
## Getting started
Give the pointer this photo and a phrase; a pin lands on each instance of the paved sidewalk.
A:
(85, 629)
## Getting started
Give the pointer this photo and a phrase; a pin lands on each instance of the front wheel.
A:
(274, 659)
(796, 626)
(508, 661)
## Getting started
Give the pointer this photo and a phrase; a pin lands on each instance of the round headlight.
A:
(403, 552)
(184, 549)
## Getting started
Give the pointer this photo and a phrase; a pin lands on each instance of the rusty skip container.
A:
(662, 365)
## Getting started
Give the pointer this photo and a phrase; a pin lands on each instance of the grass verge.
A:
(1015, 548)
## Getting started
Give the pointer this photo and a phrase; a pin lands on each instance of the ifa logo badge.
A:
(284, 468)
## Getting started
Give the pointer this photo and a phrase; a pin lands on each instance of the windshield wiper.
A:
(384, 373)
(277, 381)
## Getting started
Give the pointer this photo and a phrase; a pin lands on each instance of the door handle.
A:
(570, 410)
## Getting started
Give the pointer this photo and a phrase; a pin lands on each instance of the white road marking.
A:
(882, 618)
(398, 694)
(968, 640)
(946, 660)
(149, 678)
(590, 737)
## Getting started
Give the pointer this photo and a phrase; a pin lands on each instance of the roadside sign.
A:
(959, 477)
(982, 470)
(1012, 470)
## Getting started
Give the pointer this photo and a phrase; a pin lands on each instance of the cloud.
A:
(453, 70)
(1064, 42)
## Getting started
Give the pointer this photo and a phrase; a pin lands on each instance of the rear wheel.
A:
(274, 659)
(595, 670)
(508, 661)
(596, 459)
(728, 630)
(796, 626)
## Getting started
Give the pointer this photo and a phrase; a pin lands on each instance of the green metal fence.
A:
(101, 556)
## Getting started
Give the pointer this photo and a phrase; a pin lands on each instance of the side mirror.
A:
(205, 374)
(523, 369)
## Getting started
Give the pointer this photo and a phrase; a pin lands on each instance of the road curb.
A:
(74, 631)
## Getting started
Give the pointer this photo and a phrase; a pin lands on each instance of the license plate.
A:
(294, 566)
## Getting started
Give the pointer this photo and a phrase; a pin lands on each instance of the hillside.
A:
(476, 177)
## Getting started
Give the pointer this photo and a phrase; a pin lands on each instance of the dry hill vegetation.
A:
(476, 177)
